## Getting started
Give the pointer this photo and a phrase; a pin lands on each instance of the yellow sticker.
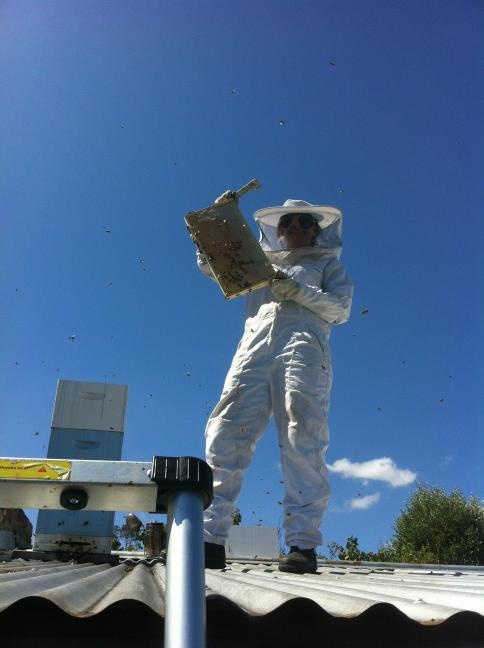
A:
(35, 469)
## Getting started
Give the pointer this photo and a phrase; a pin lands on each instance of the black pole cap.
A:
(173, 474)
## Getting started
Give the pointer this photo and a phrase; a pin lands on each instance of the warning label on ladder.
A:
(28, 469)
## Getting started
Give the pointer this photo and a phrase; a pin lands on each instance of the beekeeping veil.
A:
(327, 243)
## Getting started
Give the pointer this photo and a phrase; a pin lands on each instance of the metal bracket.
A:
(174, 474)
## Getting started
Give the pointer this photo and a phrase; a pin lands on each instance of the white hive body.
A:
(88, 424)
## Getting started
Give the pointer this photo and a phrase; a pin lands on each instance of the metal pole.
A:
(185, 572)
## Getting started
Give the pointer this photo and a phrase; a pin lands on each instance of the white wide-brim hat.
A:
(324, 215)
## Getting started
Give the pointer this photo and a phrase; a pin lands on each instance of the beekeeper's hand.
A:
(285, 288)
(226, 197)
(279, 274)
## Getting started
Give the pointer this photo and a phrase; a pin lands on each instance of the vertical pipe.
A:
(185, 572)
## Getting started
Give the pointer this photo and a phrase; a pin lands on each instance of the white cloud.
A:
(364, 502)
(381, 469)
(358, 503)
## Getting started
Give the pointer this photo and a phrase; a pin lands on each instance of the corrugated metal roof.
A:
(348, 591)
(425, 595)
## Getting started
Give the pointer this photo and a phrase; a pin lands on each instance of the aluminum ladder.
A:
(182, 487)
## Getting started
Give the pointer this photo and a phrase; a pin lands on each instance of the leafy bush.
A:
(432, 527)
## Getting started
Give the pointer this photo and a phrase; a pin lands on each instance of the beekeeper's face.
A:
(299, 230)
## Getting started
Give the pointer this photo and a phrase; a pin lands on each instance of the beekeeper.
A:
(282, 367)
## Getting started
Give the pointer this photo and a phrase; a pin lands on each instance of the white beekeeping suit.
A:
(282, 367)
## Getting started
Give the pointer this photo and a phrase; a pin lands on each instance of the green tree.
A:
(353, 552)
(129, 536)
(236, 516)
(435, 527)
(116, 544)
(350, 552)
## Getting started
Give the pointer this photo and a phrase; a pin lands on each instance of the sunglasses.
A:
(306, 221)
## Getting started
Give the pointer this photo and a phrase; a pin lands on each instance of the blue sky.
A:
(123, 116)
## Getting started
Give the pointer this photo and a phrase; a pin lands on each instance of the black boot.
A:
(299, 561)
(214, 556)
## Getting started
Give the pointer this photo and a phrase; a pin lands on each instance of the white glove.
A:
(226, 197)
(285, 288)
